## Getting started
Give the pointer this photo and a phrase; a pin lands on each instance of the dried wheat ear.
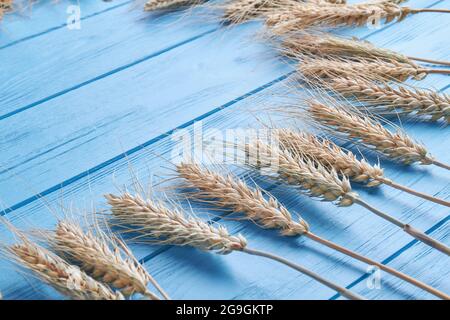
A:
(103, 258)
(386, 99)
(376, 70)
(318, 181)
(370, 133)
(227, 191)
(171, 226)
(53, 270)
(328, 154)
(298, 16)
(326, 45)
(154, 5)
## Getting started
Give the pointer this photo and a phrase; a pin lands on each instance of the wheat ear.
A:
(370, 133)
(232, 193)
(385, 98)
(345, 162)
(372, 69)
(320, 182)
(326, 44)
(301, 16)
(102, 259)
(65, 278)
(229, 192)
(173, 227)
(155, 5)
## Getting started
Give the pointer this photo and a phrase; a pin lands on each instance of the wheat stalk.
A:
(387, 99)
(371, 69)
(230, 192)
(320, 182)
(56, 272)
(329, 154)
(155, 5)
(299, 16)
(155, 220)
(102, 259)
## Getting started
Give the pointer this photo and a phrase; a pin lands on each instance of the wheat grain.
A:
(230, 192)
(170, 225)
(385, 98)
(102, 259)
(56, 272)
(397, 146)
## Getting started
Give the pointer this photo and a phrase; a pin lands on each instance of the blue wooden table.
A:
(79, 107)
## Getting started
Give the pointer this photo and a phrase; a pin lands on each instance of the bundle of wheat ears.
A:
(167, 225)
(294, 16)
(318, 181)
(229, 192)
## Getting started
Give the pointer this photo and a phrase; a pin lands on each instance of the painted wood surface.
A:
(96, 105)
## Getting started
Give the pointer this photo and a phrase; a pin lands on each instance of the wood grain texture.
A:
(85, 130)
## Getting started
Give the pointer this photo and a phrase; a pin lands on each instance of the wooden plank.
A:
(47, 16)
(352, 227)
(69, 59)
(231, 276)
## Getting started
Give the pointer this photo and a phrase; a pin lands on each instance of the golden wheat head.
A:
(170, 225)
(101, 258)
(230, 192)
(53, 270)
(370, 133)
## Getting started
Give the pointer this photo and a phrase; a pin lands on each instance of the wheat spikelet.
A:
(397, 146)
(154, 5)
(230, 192)
(96, 257)
(56, 272)
(385, 98)
(329, 154)
(376, 69)
(313, 178)
(325, 45)
(301, 16)
(155, 220)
